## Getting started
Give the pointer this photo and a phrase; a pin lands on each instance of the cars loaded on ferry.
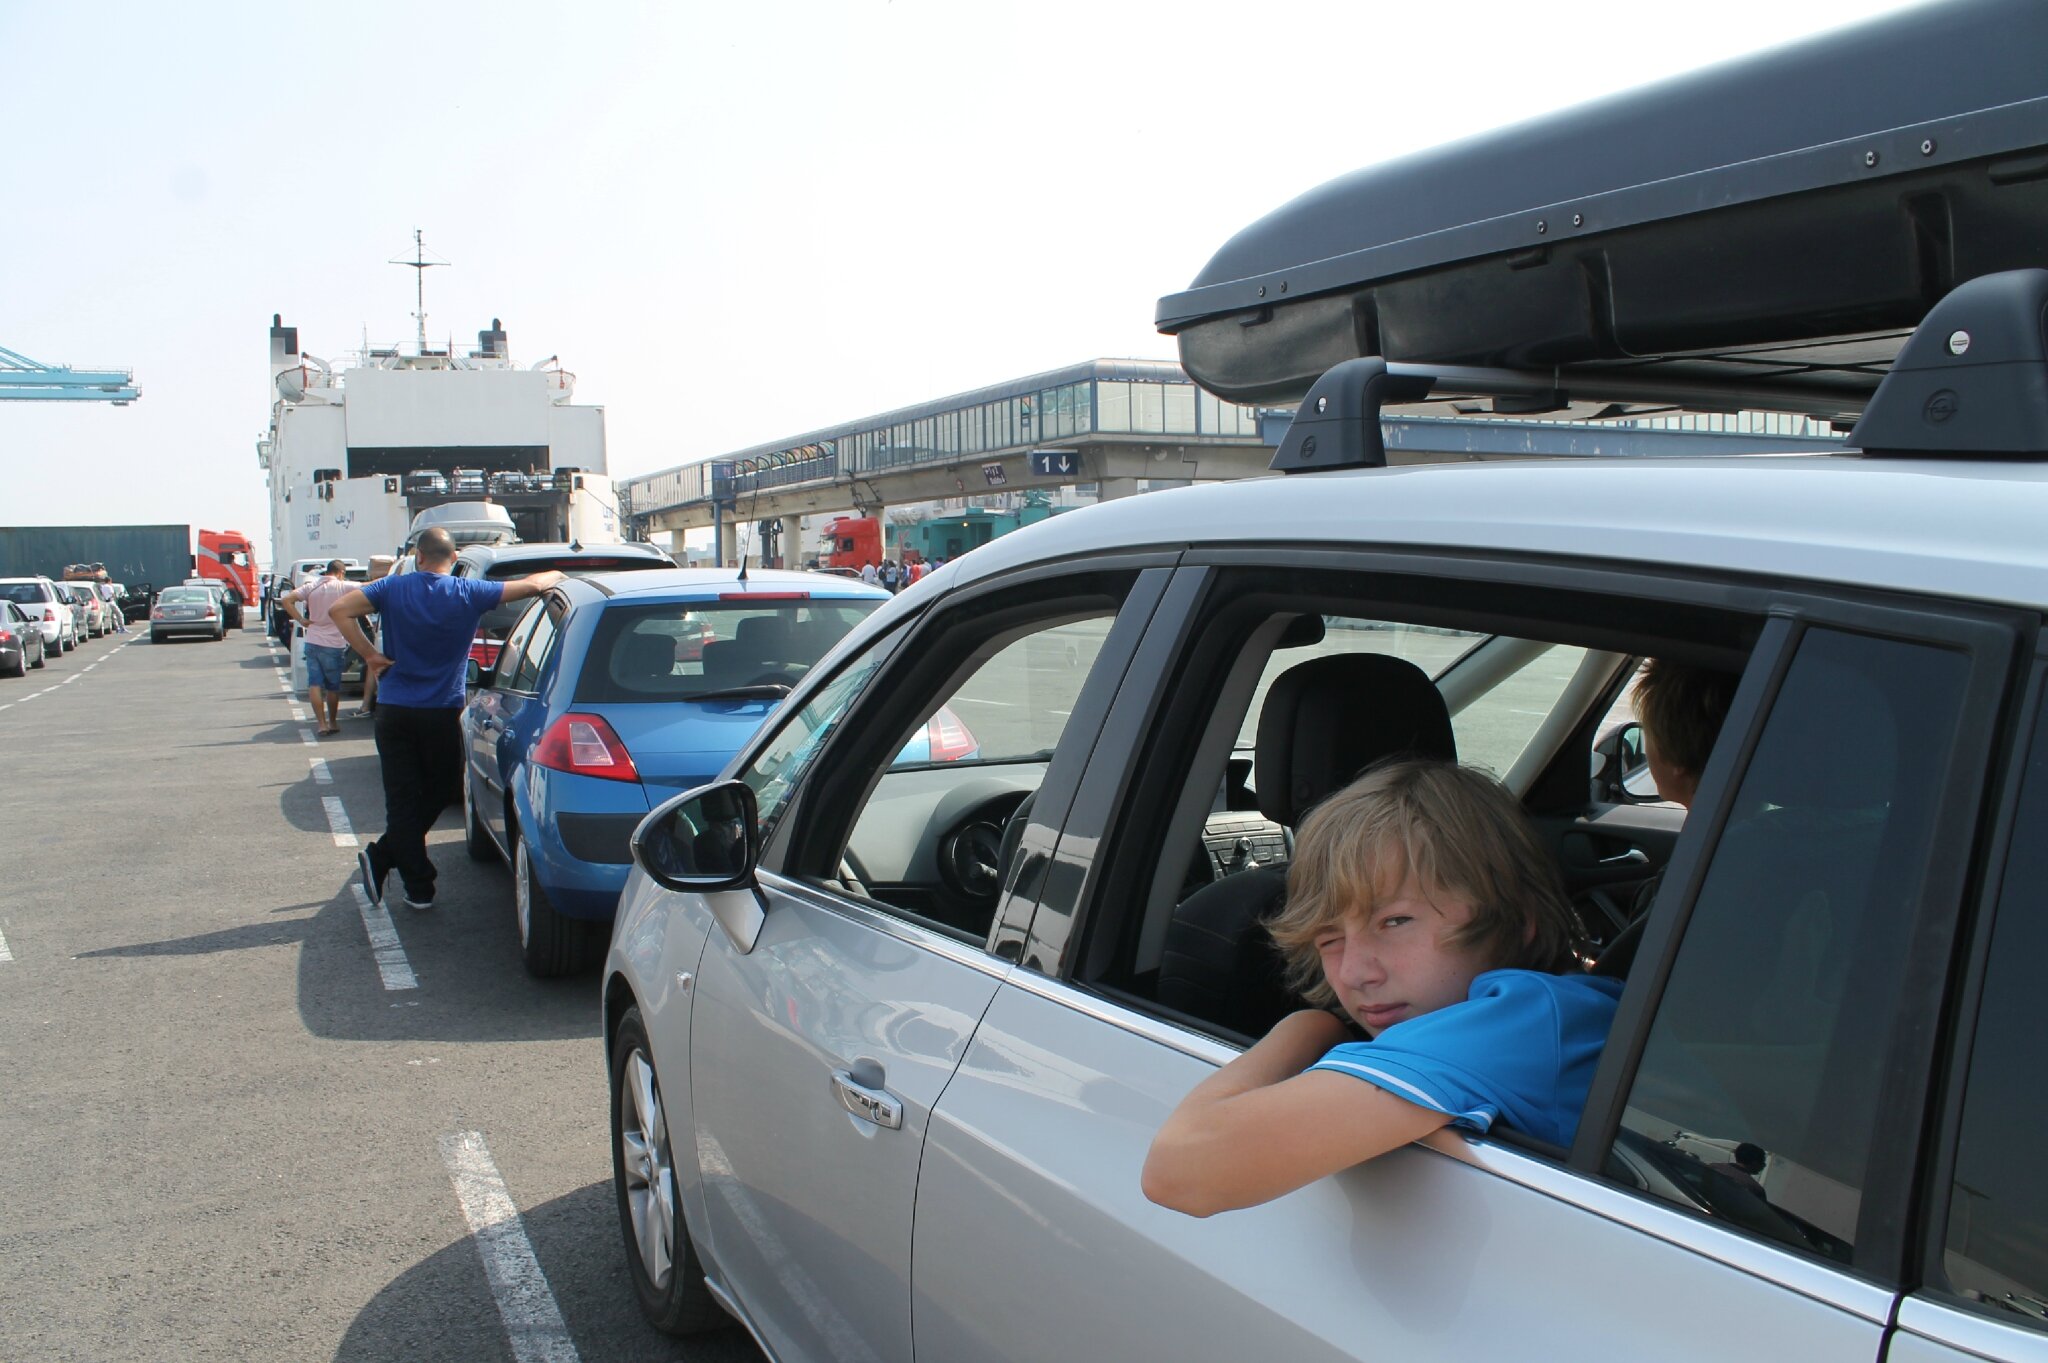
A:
(888, 1045)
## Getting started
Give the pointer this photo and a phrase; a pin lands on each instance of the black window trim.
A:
(1989, 639)
(1959, 1029)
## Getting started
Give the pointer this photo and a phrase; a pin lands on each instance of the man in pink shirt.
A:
(326, 649)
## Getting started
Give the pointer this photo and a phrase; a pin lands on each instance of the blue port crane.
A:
(23, 379)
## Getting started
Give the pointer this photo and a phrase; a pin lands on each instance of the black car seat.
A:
(1324, 721)
(647, 662)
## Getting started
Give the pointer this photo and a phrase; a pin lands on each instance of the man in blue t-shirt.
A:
(430, 618)
(1421, 903)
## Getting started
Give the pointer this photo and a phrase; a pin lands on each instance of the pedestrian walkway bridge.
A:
(1108, 423)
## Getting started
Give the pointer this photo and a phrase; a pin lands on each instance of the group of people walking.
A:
(896, 575)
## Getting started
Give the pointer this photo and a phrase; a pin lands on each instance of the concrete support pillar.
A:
(881, 515)
(728, 542)
(791, 540)
(1113, 488)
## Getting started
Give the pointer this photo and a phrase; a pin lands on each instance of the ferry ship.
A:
(353, 456)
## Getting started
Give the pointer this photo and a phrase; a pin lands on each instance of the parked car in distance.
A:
(889, 1047)
(466, 480)
(21, 641)
(426, 480)
(45, 606)
(187, 611)
(604, 701)
(226, 594)
(89, 608)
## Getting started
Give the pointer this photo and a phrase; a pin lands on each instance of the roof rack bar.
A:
(1338, 424)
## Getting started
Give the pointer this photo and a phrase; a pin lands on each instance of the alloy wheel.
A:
(650, 1183)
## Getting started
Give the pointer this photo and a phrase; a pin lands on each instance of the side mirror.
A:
(472, 675)
(1621, 768)
(708, 841)
(703, 840)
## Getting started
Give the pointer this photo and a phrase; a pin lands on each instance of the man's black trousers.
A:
(421, 752)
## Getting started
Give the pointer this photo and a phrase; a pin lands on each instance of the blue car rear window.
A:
(681, 650)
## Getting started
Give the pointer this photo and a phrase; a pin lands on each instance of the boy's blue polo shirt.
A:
(429, 620)
(1520, 1049)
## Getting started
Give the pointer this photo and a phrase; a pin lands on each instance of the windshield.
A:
(690, 650)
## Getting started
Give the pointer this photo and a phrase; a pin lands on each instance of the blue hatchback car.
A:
(611, 694)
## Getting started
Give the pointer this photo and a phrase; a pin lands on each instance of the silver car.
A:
(888, 1041)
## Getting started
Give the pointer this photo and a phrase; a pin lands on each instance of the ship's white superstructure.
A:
(352, 456)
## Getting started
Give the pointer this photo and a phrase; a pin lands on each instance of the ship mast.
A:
(419, 264)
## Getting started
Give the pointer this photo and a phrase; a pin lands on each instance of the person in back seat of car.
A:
(1422, 904)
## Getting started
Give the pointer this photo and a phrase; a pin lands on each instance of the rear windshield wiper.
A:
(765, 691)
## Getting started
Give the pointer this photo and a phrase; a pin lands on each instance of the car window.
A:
(534, 654)
(683, 650)
(928, 840)
(508, 656)
(28, 593)
(1995, 1247)
(776, 769)
(1755, 1102)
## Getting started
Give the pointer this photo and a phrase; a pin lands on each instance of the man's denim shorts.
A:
(323, 666)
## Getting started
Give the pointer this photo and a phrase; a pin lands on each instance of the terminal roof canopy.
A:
(1778, 222)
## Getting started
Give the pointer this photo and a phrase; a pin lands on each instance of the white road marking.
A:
(977, 700)
(299, 713)
(5, 954)
(384, 943)
(70, 679)
(533, 1323)
(309, 738)
(320, 772)
(337, 819)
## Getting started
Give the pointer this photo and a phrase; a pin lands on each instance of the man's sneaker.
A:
(373, 879)
(421, 904)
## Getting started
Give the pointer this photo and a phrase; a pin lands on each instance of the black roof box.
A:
(1775, 225)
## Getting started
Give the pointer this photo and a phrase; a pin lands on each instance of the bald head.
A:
(435, 547)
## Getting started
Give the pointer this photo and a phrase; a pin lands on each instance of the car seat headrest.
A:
(647, 660)
(1327, 719)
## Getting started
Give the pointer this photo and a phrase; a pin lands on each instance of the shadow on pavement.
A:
(442, 1307)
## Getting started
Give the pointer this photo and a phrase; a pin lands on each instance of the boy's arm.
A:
(1259, 1127)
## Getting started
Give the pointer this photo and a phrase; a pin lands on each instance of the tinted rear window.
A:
(28, 593)
(186, 595)
(682, 649)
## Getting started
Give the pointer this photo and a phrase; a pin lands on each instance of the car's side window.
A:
(515, 646)
(535, 653)
(1756, 1098)
(775, 770)
(1995, 1249)
(929, 839)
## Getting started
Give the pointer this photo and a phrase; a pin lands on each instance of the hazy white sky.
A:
(733, 222)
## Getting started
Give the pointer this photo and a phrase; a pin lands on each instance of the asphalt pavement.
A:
(242, 1116)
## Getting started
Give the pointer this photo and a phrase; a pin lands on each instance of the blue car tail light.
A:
(587, 746)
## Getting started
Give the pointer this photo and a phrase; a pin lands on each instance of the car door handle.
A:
(1634, 856)
(860, 1092)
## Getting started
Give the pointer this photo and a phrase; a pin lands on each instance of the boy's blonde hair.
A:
(1462, 834)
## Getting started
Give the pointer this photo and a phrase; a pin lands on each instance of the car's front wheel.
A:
(550, 944)
(667, 1278)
